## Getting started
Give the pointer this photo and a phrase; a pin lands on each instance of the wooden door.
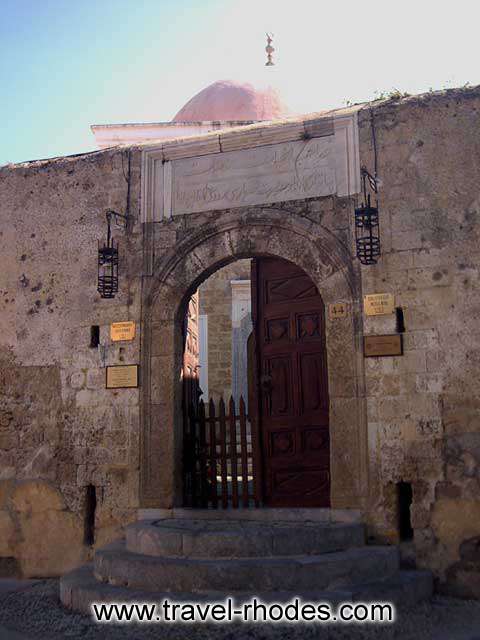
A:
(289, 321)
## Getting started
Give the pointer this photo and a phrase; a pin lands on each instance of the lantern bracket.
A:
(372, 182)
(120, 220)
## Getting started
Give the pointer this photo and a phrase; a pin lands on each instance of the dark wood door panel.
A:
(286, 289)
(309, 326)
(315, 440)
(281, 443)
(307, 440)
(277, 330)
(313, 485)
(277, 386)
(313, 382)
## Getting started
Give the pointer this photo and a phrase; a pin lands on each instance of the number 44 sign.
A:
(337, 310)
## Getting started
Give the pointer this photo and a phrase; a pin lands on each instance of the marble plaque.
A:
(263, 175)
(122, 376)
(390, 345)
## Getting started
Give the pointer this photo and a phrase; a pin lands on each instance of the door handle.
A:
(266, 383)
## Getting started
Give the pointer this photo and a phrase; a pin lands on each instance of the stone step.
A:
(117, 566)
(274, 515)
(79, 588)
(239, 539)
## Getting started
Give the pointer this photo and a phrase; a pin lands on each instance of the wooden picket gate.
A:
(221, 465)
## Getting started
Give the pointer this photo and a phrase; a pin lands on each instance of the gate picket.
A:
(244, 452)
(192, 454)
(233, 452)
(202, 455)
(213, 454)
(223, 454)
(219, 444)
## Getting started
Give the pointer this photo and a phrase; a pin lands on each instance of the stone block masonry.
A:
(60, 430)
(413, 419)
(425, 427)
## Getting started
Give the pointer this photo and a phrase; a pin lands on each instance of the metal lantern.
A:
(108, 264)
(367, 230)
(367, 233)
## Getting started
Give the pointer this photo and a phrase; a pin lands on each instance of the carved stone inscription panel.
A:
(274, 173)
(278, 162)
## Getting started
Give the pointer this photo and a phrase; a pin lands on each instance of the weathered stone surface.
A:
(61, 430)
(53, 426)
(7, 535)
(79, 588)
(36, 496)
(6, 487)
(331, 570)
(34, 522)
(267, 516)
(453, 522)
(61, 531)
(239, 539)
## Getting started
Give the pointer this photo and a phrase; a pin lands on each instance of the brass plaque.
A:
(122, 331)
(390, 345)
(123, 376)
(337, 310)
(378, 304)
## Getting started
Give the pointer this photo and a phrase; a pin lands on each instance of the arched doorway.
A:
(261, 233)
(279, 446)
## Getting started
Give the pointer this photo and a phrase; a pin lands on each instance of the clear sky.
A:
(67, 64)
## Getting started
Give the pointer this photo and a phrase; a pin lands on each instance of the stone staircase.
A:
(273, 554)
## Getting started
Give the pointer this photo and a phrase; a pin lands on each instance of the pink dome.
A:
(225, 100)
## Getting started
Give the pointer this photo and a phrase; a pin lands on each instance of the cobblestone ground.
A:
(36, 613)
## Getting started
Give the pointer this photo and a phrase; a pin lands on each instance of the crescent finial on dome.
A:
(269, 49)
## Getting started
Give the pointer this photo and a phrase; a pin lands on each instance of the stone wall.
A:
(423, 407)
(216, 302)
(60, 429)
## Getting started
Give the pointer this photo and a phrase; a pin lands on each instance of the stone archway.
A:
(178, 272)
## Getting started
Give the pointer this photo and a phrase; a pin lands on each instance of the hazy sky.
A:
(67, 64)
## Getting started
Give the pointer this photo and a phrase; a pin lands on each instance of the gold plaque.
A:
(391, 345)
(337, 310)
(122, 331)
(123, 376)
(378, 304)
